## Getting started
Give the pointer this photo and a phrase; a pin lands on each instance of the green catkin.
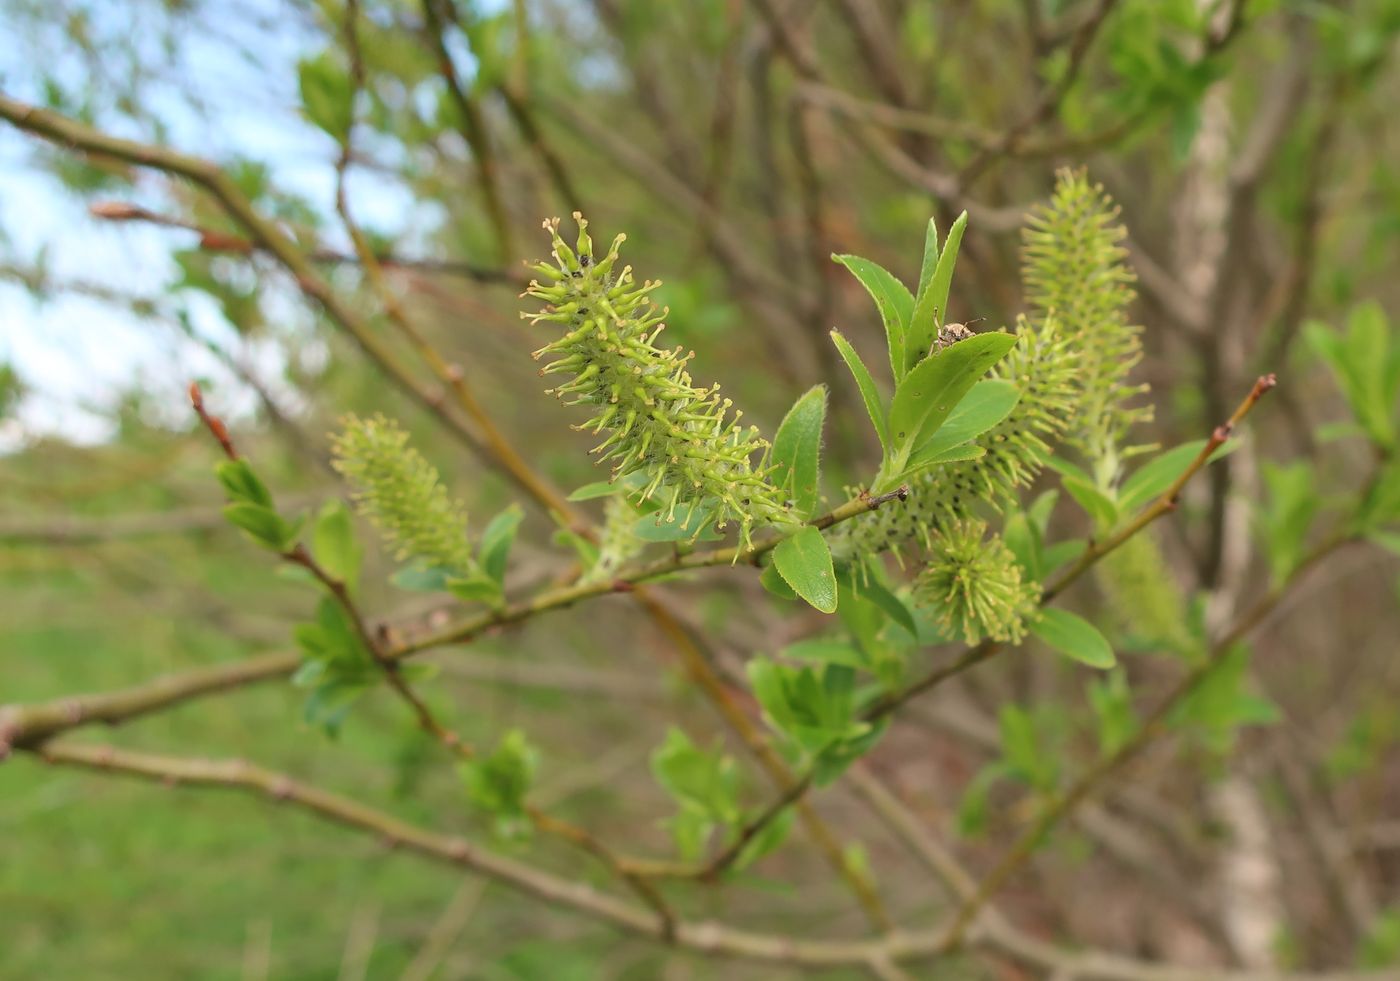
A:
(1074, 266)
(974, 585)
(617, 543)
(685, 440)
(1144, 597)
(401, 494)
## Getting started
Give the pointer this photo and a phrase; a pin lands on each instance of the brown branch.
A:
(472, 126)
(1050, 97)
(705, 937)
(265, 234)
(211, 240)
(1153, 726)
(38, 529)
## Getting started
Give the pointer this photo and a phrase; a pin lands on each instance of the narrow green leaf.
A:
(893, 300)
(954, 454)
(1095, 502)
(242, 484)
(947, 260)
(261, 523)
(418, 579)
(804, 562)
(334, 545)
(827, 650)
(477, 589)
(496, 541)
(930, 260)
(1074, 637)
(797, 448)
(1156, 475)
(875, 591)
(931, 306)
(868, 392)
(767, 840)
(599, 488)
(926, 398)
(326, 95)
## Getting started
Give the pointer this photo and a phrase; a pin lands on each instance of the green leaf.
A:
(775, 584)
(874, 405)
(797, 451)
(1028, 747)
(1366, 367)
(1023, 538)
(930, 260)
(1059, 553)
(418, 579)
(262, 524)
(334, 545)
(931, 306)
(1074, 637)
(973, 808)
(827, 650)
(892, 298)
(1095, 502)
(499, 782)
(706, 779)
(1153, 478)
(926, 398)
(953, 454)
(1284, 520)
(496, 541)
(242, 484)
(875, 591)
(475, 589)
(1113, 707)
(804, 562)
(768, 839)
(326, 95)
(599, 488)
(984, 406)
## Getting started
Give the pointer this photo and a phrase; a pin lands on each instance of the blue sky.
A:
(76, 353)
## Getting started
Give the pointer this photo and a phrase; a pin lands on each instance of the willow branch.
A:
(1156, 724)
(473, 128)
(265, 234)
(211, 240)
(703, 936)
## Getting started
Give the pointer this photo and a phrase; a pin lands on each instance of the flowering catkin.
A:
(974, 585)
(1074, 267)
(685, 439)
(402, 495)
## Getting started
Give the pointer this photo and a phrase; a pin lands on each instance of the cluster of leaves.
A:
(705, 785)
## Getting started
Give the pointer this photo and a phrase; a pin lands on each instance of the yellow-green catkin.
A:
(1144, 597)
(974, 586)
(686, 440)
(618, 543)
(402, 495)
(1074, 267)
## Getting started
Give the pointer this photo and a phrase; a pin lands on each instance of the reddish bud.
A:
(116, 211)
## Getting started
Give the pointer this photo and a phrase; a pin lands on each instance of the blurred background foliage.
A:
(1252, 147)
